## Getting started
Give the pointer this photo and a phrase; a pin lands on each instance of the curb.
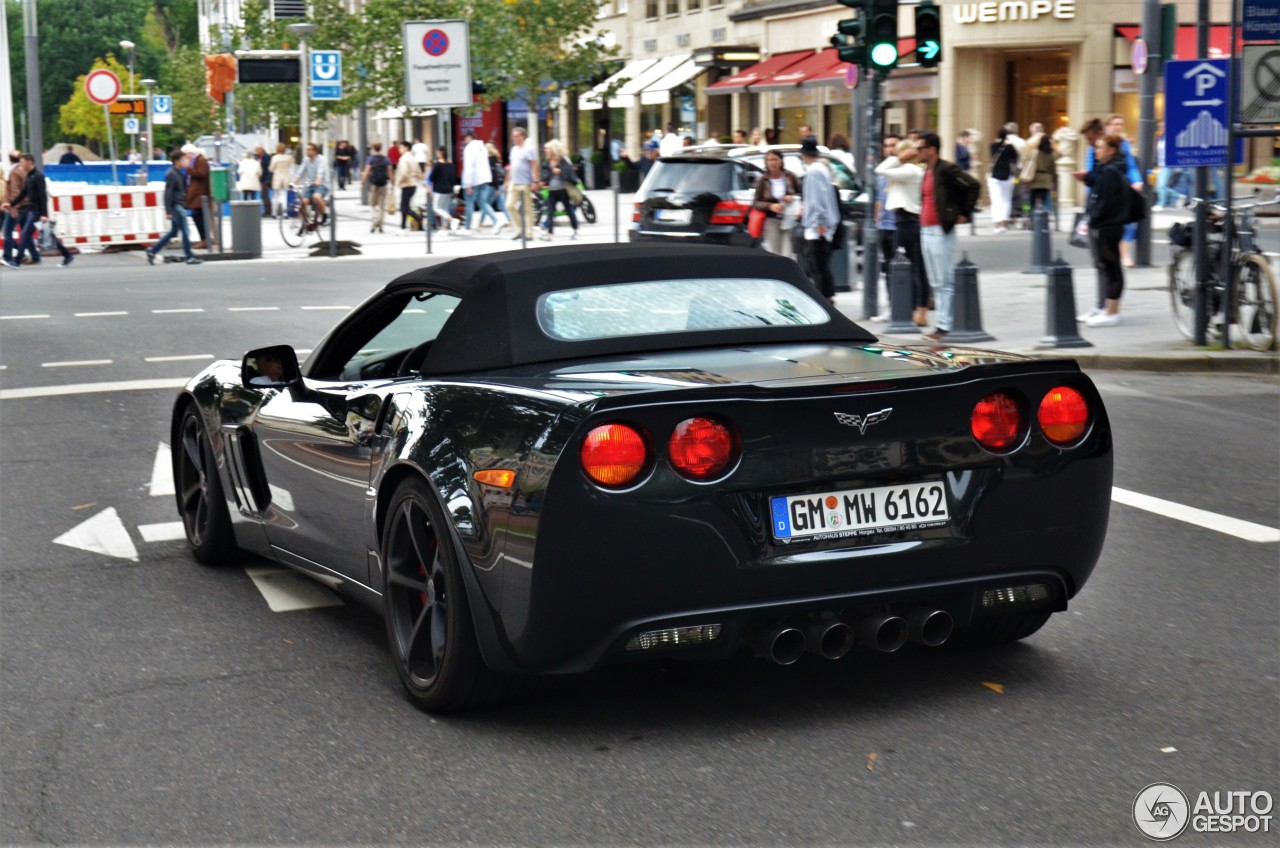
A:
(1258, 363)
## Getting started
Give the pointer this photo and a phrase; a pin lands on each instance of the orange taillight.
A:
(614, 454)
(1063, 415)
(503, 478)
(996, 421)
(700, 448)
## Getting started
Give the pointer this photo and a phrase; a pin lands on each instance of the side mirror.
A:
(270, 367)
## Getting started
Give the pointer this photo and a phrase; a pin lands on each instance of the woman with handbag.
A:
(1004, 158)
(903, 198)
(560, 176)
(770, 221)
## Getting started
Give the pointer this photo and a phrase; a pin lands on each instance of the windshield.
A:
(690, 178)
(675, 306)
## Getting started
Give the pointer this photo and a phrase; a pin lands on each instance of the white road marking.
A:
(171, 311)
(169, 531)
(285, 590)
(321, 308)
(4, 367)
(20, 317)
(162, 472)
(282, 498)
(92, 388)
(98, 314)
(104, 533)
(1246, 530)
(253, 309)
(74, 362)
(183, 358)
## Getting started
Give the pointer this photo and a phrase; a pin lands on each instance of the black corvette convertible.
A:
(537, 462)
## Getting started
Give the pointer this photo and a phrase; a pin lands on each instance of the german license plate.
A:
(673, 216)
(860, 512)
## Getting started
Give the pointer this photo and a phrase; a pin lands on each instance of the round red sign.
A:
(102, 87)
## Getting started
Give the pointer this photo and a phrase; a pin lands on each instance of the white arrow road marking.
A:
(162, 472)
(169, 531)
(1246, 530)
(104, 533)
(285, 590)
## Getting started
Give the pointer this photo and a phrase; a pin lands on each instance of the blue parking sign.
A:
(326, 75)
(1195, 113)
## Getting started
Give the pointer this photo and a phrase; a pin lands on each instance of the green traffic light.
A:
(884, 55)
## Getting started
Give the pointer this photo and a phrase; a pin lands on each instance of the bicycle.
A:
(299, 219)
(1252, 316)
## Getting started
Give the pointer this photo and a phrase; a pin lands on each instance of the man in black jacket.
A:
(35, 196)
(175, 203)
(947, 197)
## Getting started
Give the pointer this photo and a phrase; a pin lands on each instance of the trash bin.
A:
(246, 227)
(219, 183)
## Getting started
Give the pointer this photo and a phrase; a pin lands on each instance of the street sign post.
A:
(1261, 21)
(326, 75)
(162, 108)
(437, 63)
(131, 126)
(102, 86)
(1138, 56)
(1260, 84)
(1195, 102)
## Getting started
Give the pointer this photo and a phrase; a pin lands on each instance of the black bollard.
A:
(1060, 309)
(902, 281)
(1041, 246)
(966, 309)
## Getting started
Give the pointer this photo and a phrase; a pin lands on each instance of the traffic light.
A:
(882, 34)
(928, 34)
(851, 42)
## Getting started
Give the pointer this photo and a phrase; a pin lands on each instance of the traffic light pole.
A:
(870, 233)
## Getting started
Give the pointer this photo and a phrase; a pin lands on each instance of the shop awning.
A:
(738, 83)
(834, 74)
(660, 91)
(1185, 46)
(592, 100)
(626, 96)
(789, 78)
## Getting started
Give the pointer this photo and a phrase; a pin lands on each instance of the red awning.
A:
(789, 78)
(1185, 48)
(738, 83)
(835, 74)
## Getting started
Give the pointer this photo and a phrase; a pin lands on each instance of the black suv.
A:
(696, 197)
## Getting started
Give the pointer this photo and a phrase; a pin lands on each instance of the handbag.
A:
(755, 222)
(575, 194)
(1080, 231)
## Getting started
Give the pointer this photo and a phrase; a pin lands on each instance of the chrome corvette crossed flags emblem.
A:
(862, 422)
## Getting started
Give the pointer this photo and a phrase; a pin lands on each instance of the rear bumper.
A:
(731, 236)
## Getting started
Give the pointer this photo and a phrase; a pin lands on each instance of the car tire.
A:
(999, 629)
(198, 491)
(429, 626)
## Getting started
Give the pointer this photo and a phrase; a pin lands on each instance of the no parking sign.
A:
(437, 63)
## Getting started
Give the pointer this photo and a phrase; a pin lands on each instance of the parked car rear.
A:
(696, 197)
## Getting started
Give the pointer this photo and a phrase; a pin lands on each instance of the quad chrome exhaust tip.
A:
(929, 627)
(780, 643)
(884, 633)
(829, 638)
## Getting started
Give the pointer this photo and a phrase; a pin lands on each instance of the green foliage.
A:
(81, 118)
(194, 113)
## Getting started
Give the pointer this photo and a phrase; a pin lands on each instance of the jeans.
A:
(28, 240)
(907, 237)
(12, 224)
(179, 226)
(820, 264)
(939, 250)
(1105, 244)
(406, 206)
(555, 197)
(481, 198)
(1169, 185)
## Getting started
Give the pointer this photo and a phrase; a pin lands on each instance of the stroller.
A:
(540, 199)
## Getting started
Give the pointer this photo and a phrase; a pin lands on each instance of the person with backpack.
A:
(494, 199)
(377, 176)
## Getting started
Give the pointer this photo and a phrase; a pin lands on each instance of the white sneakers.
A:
(1103, 320)
(1084, 317)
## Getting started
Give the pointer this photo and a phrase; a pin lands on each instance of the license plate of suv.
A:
(673, 216)
(860, 512)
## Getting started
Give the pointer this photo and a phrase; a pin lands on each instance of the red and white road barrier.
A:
(97, 216)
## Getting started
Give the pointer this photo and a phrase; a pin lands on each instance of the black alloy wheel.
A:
(429, 627)
(199, 492)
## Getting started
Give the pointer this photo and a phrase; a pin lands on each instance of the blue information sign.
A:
(1195, 112)
(326, 75)
(1261, 20)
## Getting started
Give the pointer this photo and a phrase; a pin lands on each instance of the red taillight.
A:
(1063, 415)
(700, 448)
(729, 212)
(996, 422)
(614, 454)
(635, 214)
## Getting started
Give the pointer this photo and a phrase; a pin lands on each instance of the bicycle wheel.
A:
(293, 227)
(1182, 291)
(1255, 302)
(588, 210)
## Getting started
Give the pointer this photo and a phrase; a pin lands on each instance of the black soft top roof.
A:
(495, 323)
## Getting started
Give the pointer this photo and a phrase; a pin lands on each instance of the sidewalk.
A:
(1013, 303)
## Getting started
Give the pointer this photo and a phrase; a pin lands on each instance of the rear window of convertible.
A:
(674, 306)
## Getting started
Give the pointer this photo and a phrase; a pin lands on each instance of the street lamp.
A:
(131, 47)
(304, 81)
(149, 84)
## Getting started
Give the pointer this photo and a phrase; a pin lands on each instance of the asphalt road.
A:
(160, 701)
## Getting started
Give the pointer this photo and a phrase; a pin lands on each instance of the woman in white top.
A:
(249, 176)
(905, 180)
(281, 174)
(775, 191)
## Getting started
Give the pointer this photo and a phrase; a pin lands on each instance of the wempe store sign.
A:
(437, 64)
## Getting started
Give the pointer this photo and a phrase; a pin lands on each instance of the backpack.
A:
(379, 173)
(1137, 207)
(497, 173)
